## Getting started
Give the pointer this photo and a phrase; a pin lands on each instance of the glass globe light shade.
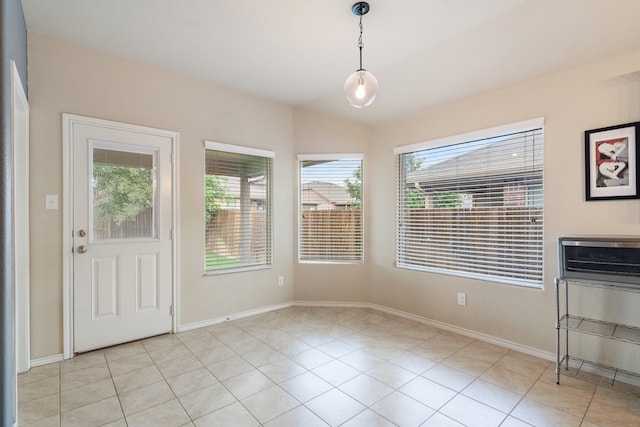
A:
(361, 88)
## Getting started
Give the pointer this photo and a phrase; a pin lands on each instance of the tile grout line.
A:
(320, 324)
(220, 382)
(124, 417)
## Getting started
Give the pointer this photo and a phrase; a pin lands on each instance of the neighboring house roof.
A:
(313, 198)
(257, 187)
(334, 193)
(493, 159)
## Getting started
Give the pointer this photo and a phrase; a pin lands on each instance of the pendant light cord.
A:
(360, 44)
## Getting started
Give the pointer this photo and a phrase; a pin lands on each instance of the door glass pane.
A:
(123, 194)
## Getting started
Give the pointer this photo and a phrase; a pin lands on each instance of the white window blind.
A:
(330, 208)
(474, 208)
(237, 207)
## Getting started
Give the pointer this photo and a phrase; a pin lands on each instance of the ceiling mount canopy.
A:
(360, 8)
(361, 87)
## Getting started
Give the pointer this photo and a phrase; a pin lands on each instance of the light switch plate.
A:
(51, 201)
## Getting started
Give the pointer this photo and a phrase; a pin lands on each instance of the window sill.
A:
(237, 270)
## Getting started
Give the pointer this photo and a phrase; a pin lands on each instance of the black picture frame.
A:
(611, 162)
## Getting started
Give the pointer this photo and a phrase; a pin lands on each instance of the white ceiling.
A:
(423, 52)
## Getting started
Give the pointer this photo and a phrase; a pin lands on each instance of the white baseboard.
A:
(612, 374)
(240, 315)
(341, 304)
(470, 333)
(627, 379)
(621, 377)
(47, 360)
(333, 304)
(338, 304)
(452, 328)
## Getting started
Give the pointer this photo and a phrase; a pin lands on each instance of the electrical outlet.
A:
(280, 281)
(462, 298)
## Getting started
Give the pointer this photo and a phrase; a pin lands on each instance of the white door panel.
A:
(104, 288)
(147, 282)
(122, 275)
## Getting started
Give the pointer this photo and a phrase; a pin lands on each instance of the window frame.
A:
(330, 158)
(249, 151)
(495, 132)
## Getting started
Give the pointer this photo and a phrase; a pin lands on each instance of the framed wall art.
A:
(611, 162)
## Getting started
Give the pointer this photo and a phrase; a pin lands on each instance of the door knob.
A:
(82, 249)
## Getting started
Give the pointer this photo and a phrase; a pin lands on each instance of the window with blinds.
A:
(237, 198)
(330, 208)
(472, 205)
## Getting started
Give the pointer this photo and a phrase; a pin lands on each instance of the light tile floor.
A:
(309, 367)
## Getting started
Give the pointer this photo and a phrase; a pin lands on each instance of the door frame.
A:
(20, 143)
(69, 121)
(20, 228)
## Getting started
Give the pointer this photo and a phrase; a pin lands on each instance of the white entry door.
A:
(122, 249)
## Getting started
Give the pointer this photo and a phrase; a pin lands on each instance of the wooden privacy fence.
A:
(140, 226)
(324, 235)
(224, 235)
(334, 234)
(505, 241)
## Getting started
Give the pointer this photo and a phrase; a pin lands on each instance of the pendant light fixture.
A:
(361, 87)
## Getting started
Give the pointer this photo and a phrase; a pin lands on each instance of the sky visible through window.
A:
(435, 155)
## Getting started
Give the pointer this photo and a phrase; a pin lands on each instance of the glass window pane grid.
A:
(474, 209)
(237, 210)
(330, 219)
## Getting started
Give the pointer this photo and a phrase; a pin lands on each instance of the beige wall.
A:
(315, 133)
(601, 95)
(68, 78)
